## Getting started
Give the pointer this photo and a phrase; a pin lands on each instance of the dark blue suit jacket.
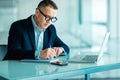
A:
(21, 40)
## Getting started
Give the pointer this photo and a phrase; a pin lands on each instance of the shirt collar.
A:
(35, 25)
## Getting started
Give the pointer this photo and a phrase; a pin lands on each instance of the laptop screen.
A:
(104, 43)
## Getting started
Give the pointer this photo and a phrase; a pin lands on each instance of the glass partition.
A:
(84, 22)
(8, 14)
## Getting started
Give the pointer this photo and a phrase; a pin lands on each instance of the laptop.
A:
(91, 58)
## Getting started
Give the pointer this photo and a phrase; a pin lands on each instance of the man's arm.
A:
(19, 43)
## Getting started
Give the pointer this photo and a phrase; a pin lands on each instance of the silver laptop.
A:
(91, 58)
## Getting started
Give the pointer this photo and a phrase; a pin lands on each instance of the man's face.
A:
(43, 16)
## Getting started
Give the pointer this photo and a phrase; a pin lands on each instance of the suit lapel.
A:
(45, 41)
(31, 32)
(48, 38)
(32, 37)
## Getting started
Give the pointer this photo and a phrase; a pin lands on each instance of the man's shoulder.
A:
(19, 21)
(22, 21)
(51, 27)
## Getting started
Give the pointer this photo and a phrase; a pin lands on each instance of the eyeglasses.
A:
(47, 18)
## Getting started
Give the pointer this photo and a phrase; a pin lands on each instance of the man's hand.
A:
(58, 50)
(48, 53)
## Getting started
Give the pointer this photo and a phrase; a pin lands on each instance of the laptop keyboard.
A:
(90, 58)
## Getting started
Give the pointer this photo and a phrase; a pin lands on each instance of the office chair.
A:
(3, 50)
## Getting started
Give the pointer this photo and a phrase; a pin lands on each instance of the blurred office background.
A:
(81, 24)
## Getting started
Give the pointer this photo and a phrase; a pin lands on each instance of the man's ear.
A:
(36, 12)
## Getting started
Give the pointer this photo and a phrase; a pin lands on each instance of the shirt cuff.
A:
(63, 53)
(37, 56)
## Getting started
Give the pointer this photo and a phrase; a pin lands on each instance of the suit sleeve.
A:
(57, 41)
(16, 46)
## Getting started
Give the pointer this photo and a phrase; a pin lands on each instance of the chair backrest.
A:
(3, 50)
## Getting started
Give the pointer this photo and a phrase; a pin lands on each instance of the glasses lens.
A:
(54, 19)
(47, 18)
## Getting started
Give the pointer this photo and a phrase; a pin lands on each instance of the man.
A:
(35, 37)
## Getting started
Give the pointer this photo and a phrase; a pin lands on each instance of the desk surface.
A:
(15, 70)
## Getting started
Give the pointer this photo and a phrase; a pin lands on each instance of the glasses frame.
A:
(47, 18)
